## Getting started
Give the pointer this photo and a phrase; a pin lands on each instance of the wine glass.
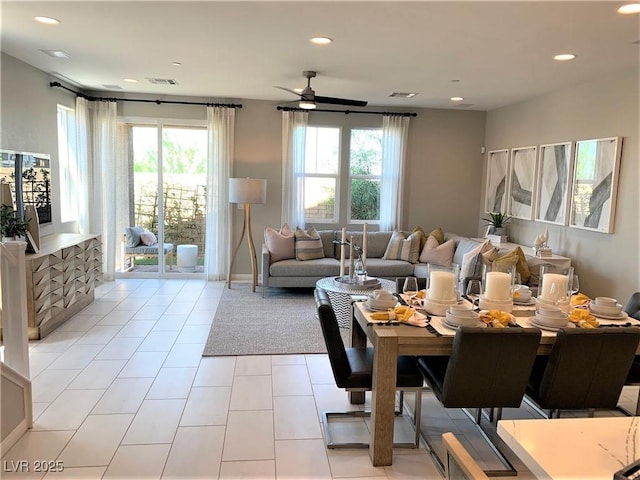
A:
(410, 286)
(474, 290)
(575, 285)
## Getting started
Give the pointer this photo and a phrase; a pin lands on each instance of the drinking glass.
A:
(474, 290)
(410, 286)
(575, 285)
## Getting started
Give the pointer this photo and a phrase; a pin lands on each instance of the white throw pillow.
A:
(401, 248)
(148, 238)
(472, 260)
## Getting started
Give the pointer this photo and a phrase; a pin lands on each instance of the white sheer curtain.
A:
(294, 133)
(102, 198)
(394, 142)
(84, 166)
(220, 128)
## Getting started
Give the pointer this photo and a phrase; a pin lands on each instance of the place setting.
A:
(607, 308)
(383, 309)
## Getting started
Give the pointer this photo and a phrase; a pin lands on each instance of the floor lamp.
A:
(247, 191)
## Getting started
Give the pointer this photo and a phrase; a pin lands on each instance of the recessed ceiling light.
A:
(629, 8)
(56, 53)
(563, 57)
(321, 40)
(456, 99)
(131, 80)
(47, 20)
(176, 64)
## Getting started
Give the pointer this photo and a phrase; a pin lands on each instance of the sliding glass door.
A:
(174, 157)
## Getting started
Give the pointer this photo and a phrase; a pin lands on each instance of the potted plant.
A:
(497, 223)
(11, 225)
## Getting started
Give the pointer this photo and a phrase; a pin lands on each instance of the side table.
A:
(187, 258)
(340, 296)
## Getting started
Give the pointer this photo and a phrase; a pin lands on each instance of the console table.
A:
(558, 260)
(61, 279)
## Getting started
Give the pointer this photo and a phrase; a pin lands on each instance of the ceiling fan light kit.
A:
(309, 99)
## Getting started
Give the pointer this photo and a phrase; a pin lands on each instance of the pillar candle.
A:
(498, 286)
(561, 283)
(342, 251)
(364, 245)
(351, 259)
(442, 286)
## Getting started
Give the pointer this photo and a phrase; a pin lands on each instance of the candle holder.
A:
(442, 288)
(555, 286)
(497, 284)
(357, 270)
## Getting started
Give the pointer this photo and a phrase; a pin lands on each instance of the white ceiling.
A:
(501, 52)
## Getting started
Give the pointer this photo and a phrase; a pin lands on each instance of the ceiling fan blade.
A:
(287, 90)
(341, 101)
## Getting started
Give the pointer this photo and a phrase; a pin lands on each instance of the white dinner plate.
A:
(620, 316)
(547, 327)
(531, 301)
(377, 309)
(446, 322)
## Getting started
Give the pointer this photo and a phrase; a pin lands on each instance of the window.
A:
(68, 163)
(321, 174)
(365, 174)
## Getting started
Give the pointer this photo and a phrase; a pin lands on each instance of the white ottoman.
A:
(187, 257)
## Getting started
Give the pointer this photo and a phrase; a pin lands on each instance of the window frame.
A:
(68, 168)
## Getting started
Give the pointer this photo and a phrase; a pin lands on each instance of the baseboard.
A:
(14, 436)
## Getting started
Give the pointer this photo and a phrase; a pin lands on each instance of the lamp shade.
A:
(247, 190)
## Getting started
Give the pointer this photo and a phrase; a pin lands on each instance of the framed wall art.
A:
(554, 183)
(522, 182)
(595, 184)
(497, 181)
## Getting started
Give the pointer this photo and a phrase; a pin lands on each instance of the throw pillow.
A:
(281, 244)
(308, 244)
(148, 238)
(401, 248)
(437, 254)
(472, 261)
(132, 236)
(438, 234)
(423, 238)
(515, 257)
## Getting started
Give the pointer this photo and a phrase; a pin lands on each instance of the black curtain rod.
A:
(347, 112)
(113, 99)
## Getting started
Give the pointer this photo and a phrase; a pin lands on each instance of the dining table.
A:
(391, 339)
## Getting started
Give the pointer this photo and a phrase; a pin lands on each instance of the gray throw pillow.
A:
(132, 236)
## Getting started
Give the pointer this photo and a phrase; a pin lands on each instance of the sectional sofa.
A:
(296, 273)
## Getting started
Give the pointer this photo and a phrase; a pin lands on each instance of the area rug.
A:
(282, 322)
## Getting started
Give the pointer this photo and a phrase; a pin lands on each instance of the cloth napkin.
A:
(583, 318)
(579, 299)
(401, 313)
(497, 318)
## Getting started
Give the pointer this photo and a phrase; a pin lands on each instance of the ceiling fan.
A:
(309, 99)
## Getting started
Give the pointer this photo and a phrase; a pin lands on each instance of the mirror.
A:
(33, 185)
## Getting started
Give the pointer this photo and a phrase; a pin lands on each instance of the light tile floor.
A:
(122, 391)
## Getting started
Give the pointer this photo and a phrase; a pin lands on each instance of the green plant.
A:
(497, 219)
(11, 225)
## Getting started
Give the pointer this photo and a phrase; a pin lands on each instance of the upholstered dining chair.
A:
(585, 370)
(633, 378)
(488, 368)
(353, 370)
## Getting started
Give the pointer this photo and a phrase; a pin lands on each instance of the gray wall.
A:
(443, 162)
(608, 264)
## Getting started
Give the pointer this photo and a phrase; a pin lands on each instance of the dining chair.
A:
(353, 370)
(633, 378)
(488, 368)
(586, 369)
(460, 464)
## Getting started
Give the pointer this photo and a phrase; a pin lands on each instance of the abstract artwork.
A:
(497, 181)
(522, 182)
(554, 177)
(595, 184)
